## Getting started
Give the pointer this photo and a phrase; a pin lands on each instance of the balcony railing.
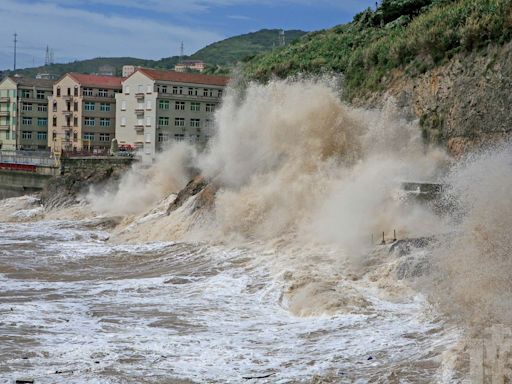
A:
(4, 127)
(4, 99)
(4, 113)
(139, 128)
(139, 95)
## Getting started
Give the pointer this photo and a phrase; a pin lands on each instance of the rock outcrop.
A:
(462, 104)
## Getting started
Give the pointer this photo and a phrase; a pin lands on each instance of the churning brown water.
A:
(278, 281)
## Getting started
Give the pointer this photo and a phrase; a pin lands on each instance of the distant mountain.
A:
(222, 53)
(242, 47)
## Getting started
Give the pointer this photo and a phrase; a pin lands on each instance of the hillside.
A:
(437, 57)
(409, 35)
(225, 53)
(240, 47)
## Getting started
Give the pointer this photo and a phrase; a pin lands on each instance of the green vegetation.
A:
(401, 35)
(218, 56)
(242, 47)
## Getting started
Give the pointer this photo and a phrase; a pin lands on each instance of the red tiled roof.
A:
(184, 77)
(97, 81)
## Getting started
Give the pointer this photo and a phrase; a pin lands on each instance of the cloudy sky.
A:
(80, 29)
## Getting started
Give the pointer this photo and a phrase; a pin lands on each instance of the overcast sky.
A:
(152, 29)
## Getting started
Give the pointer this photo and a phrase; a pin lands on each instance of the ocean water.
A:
(76, 308)
(273, 273)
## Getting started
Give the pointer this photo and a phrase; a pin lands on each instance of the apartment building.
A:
(82, 113)
(24, 113)
(158, 106)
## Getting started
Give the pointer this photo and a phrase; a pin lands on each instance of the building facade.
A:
(82, 113)
(24, 113)
(156, 107)
(193, 65)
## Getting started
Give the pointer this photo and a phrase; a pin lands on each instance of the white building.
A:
(157, 106)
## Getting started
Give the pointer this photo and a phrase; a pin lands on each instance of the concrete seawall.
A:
(21, 179)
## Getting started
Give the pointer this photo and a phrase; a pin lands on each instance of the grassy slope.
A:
(368, 52)
(224, 52)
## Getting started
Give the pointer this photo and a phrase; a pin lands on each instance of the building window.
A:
(210, 107)
(163, 121)
(89, 106)
(205, 92)
(89, 122)
(179, 105)
(208, 123)
(191, 91)
(103, 93)
(123, 105)
(195, 123)
(87, 91)
(69, 91)
(179, 137)
(75, 92)
(42, 136)
(179, 122)
(127, 89)
(26, 121)
(174, 90)
(104, 122)
(42, 107)
(148, 121)
(75, 106)
(104, 136)
(54, 135)
(58, 91)
(54, 123)
(164, 88)
(162, 137)
(75, 136)
(149, 89)
(105, 107)
(195, 107)
(26, 107)
(89, 136)
(55, 106)
(27, 135)
(40, 95)
(219, 93)
(75, 121)
(25, 93)
(148, 105)
(123, 121)
(163, 104)
(42, 122)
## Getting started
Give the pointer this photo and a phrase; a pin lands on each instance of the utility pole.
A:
(15, 41)
(47, 56)
(182, 50)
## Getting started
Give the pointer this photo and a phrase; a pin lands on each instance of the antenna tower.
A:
(47, 56)
(182, 50)
(282, 38)
(15, 42)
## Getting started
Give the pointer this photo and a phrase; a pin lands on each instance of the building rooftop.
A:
(97, 81)
(183, 77)
(30, 82)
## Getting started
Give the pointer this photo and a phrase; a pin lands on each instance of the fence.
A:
(27, 158)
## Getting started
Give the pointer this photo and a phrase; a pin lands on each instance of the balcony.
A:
(67, 97)
(4, 99)
(67, 113)
(139, 95)
(4, 127)
(4, 113)
(139, 110)
(139, 128)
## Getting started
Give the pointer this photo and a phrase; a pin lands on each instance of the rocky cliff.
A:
(463, 104)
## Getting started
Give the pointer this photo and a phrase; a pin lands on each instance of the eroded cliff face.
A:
(463, 104)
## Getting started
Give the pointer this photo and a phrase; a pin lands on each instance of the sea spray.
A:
(143, 187)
